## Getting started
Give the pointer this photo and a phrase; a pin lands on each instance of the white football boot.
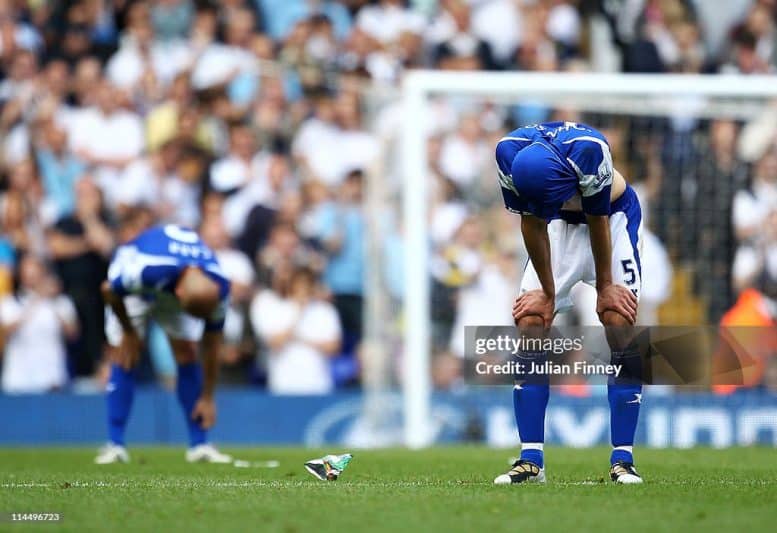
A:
(111, 453)
(207, 453)
(625, 473)
(522, 472)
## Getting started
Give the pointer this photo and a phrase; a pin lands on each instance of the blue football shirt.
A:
(153, 262)
(543, 165)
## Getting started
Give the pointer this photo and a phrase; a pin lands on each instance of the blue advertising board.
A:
(249, 417)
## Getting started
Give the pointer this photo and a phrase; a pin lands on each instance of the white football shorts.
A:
(572, 259)
(165, 310)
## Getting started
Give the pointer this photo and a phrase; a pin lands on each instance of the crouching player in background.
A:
(580, 222)
(166, 274)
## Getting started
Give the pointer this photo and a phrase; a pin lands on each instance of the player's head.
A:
(197, 293)
(537, 173)
(133, 221)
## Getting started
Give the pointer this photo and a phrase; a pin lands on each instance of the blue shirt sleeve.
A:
(506, 150)
(116, 273)
(513, 202)
(117, 287)
(132, 272)
(592, 162)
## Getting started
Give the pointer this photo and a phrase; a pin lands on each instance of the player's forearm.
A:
(211, 344)
(116, 303)
(601, 247)
(535, 237)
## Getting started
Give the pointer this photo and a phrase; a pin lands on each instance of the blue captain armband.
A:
(597, 204)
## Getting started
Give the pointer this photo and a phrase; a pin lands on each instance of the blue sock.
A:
(625, 399)
(189, 387)
(121, 389)
(529, 402)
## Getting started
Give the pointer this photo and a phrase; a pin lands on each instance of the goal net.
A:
(443, 252)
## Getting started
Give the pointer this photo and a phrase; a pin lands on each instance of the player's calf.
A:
(624, 394)
(530, 401)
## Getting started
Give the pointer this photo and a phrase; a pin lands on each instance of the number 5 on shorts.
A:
(628, 269)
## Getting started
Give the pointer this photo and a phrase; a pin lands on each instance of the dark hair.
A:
(745, 39)
(356, 175)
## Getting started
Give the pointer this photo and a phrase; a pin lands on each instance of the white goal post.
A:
(714, 95)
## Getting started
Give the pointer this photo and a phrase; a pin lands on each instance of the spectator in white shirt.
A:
(155, 182)
(220, 63)
(753, 205)
(358, 148)
(35, 323)
(316, 143)
(302, 333)
(143, 60)
(107, 137)
(758, 255)
(239, 166)
(464, 153)
(387, 20)
(485, 295)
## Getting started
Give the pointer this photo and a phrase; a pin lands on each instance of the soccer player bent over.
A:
(166, 274)
(580, 222)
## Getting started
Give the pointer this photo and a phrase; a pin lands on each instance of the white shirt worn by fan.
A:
(387, 23)
(142, 185)
(297, 367)
(116, 136)
(34, 358)
(127, 66)
(237, 268)
(462, 161)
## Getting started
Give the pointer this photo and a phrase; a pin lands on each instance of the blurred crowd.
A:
(248, 120)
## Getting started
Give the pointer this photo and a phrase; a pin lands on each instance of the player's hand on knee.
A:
(619, 299)
(534, 303)
(205, 412)
(129, 350)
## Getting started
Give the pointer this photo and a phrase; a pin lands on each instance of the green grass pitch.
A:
(441, 489)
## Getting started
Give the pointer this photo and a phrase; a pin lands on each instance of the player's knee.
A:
(116, 358)
(619, 332)
(531, 322)
(614, 318)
